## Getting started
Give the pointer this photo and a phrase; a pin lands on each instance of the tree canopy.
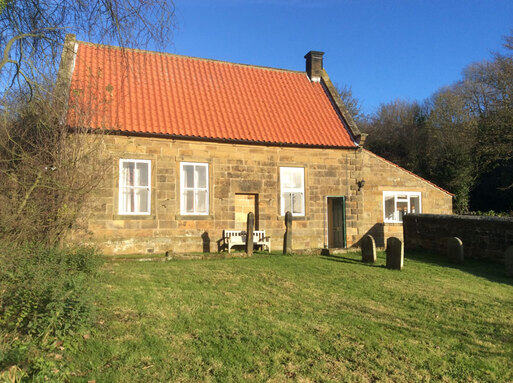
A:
(460, 138)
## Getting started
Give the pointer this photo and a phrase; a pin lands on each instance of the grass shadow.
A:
(492, 271)
(340, 258)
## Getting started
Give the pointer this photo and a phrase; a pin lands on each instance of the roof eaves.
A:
(223, 140)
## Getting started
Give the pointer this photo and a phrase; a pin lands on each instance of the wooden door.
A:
(338, 222)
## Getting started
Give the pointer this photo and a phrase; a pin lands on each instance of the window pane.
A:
(201, 204)
(389, 207)
(134, 186)
(297, 179)
(286, 178)
(287, 202)
(194, 188)
(127, 203)
(415, 204)
(201, 174)
(189, 201)
(141, 178)
(297, 203)
(141, 201)
(128, 174)
(402, 209)
(188, 171)
(292, 178)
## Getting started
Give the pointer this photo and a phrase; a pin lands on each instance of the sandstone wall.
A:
(381, 175)
(482, 237)
(233, 169)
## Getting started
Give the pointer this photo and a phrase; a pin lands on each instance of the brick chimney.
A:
(314, 65)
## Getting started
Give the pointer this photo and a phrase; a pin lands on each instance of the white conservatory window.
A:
(193, 188)
(292, 191)
(397, 204)
(134, 187)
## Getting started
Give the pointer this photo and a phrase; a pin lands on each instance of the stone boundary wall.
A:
(482, 237)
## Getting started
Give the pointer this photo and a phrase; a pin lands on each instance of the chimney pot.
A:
(314, 65)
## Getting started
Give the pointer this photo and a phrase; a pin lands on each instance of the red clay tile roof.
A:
(148, 92)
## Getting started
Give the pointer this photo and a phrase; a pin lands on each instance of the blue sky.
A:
(384, 49)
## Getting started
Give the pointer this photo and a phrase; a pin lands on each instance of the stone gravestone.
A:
(287, 240)
(395, 254)
(250, 226)
(368, 249)
(455, 250)
(508, 261)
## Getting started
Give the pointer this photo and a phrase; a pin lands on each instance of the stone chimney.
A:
(63, 83)
(314, 65)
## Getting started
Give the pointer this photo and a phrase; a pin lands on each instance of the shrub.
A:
(492, 213)
(45, 291)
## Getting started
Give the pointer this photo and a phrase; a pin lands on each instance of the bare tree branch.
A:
(8, 47)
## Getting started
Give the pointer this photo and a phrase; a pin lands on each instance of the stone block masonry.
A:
(244, 178)
(240, 177)
(482, 237)
(383, 176)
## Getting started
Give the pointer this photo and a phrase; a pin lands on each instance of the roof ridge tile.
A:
(147, 51)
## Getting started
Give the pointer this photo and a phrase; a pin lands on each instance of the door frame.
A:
(256, 208)
(328, 234)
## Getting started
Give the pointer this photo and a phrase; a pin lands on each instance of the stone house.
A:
(195, 144)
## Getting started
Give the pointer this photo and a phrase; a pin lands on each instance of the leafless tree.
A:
(352, 103)
(461, 137)
(32, 31)
(48, 169)
(395, 131)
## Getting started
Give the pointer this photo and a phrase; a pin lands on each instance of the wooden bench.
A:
(238, 237)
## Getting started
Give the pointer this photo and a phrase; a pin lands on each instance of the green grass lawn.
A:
(304, 318)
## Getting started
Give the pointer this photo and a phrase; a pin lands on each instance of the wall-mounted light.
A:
(360, 184)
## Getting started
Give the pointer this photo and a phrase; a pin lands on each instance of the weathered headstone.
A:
(250, 226)
(368, 249)
(508, 261)
(395, 253)
(287, 240)
(206, 242)
(455, 250)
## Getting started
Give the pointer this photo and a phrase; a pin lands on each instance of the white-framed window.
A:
(397, 204)
(134, 187)
(193, 188)
(292, 182)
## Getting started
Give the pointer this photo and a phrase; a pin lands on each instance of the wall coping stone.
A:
(461, 217)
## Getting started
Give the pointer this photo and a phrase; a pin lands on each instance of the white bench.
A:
(238, 237)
